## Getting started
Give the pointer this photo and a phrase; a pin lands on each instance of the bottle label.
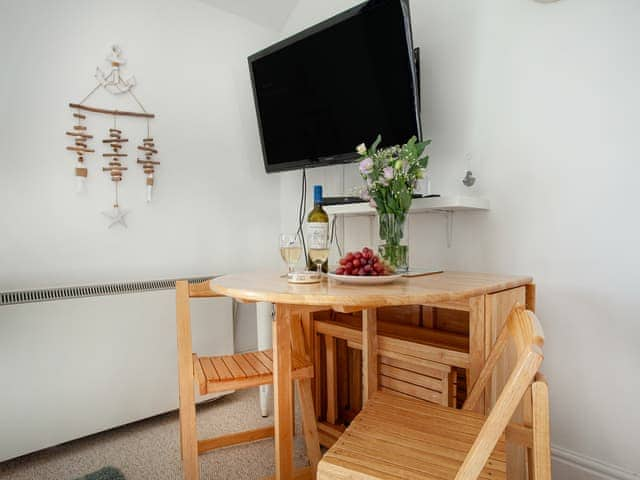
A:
(317, 233)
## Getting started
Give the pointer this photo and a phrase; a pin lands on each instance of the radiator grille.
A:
(66, 293)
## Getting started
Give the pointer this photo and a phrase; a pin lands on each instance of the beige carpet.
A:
(149, 449)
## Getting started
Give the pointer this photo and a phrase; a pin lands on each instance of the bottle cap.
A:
(317, 194)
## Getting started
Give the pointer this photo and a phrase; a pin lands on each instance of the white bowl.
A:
(364, 280)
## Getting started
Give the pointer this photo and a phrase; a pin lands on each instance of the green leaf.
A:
(374, 146)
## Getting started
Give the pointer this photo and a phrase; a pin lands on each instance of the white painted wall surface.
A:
(215, 209)
(546, 99)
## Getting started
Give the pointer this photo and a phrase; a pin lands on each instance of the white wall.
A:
(215, 209)
(545, 99)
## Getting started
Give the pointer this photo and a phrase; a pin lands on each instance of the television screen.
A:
(342, 82)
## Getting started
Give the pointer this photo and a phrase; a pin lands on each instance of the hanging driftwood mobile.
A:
(80, 148)
(115, 168)
(114, 83)
(149, 150)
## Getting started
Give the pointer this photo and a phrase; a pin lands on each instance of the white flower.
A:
(361, 149)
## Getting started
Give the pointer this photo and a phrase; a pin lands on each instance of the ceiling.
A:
(267, 13)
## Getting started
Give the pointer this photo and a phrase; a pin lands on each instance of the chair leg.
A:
(369, 353)
(309, 425)
(293, 410)
(305, 396)
(188, 436)
(189, 440)
(332, 379)
(541, 441)
(527, 420)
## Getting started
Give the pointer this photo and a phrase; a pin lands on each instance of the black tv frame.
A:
(341, 157)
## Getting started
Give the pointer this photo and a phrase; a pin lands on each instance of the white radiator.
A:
(76, 361)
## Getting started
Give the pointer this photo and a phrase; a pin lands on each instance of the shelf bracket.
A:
(449, 215)
(449, 228)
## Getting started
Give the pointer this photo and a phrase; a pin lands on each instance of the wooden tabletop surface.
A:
(271, 287)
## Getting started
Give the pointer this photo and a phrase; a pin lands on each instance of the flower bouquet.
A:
(391, 175)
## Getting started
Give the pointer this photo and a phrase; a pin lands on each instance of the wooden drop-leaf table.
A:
(487, 297)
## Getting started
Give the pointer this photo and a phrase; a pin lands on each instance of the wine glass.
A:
(319, 248)
(318, 257)
(290, 250)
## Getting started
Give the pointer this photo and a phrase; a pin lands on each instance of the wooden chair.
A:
(231, 372)
(410, 360)
(400, 438)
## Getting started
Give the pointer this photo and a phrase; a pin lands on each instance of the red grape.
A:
(363, 263)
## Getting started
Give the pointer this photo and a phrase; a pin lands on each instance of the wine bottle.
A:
(318, 233)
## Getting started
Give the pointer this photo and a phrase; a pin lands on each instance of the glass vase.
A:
(393, 249)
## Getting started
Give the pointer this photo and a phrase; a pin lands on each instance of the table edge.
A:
(414, 299)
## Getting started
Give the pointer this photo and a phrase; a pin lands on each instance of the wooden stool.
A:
(230, 372)
(401, 438)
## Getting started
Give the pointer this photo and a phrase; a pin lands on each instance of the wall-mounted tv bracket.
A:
(416, 61)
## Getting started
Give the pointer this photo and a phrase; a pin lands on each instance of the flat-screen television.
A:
(342, 82)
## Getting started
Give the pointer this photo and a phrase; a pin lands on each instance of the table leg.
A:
(369, 353)
(477, 342)
(264, 319)
(282, 393)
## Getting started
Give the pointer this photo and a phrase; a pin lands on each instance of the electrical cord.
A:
(333, 238)
(302, 212)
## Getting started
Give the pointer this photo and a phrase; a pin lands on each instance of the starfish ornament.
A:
(116, 216)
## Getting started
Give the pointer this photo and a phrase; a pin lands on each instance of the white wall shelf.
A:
(419, 205)
(447, 205)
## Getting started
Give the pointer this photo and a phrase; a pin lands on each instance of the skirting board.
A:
(582, 467)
